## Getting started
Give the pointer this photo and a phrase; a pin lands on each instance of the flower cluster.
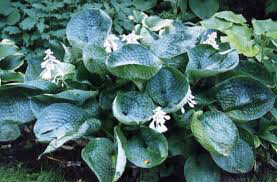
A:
(113, 43)
(52, 70)
(158, 120)
(160, 117)
(189, 99)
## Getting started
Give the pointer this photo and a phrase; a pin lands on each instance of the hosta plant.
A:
(141, 100)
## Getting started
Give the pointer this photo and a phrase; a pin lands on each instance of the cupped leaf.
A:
(133, 108)
(106, 161)
(199, 7)
(94, 58)
(168, 89)
(206, 61)
(121, 159)
(146, 149)
(201, 168)
(88, 26)
(133, 62)
(61, 122)
(176, 43)
(215, 132)
(241, 159)
(244, 98)
(99, 154)
(9, 132)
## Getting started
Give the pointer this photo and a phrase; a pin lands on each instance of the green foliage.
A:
(147, 89)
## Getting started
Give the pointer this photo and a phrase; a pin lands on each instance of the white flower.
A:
(51, 68)
(110, 44)
(211, 40)
(189, 99)
(158, 120)
(131, 38)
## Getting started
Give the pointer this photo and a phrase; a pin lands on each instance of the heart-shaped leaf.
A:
(146, 149)
(204, 8)
(106, 161)
(133, 108)
(133, 62)
(168, 89)
(61, 122)
(201, 168)
(88, 26)
(206, 61)
(241, 159)
(176, 43)
(244, 98)
(215, 132)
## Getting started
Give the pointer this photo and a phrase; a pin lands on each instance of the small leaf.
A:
(146, 149)
(88, 26)
(155, 23)
(201, 168)
(241, 159)
(266, 27)
(215, 132)
(199, 7)
(7, 48)
(9, 132)
(144, 5)
(168, 89)
(243, 98)
(13, 18)
(28, 23)
(230, 17)
(216, 24)
(206, 61)
(133, 62)
(133, 108)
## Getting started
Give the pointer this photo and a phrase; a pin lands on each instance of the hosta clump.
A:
(141, 99)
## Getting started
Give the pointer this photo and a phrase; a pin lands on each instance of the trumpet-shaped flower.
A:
(51, 68)
(189, 99)
(158, 120)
